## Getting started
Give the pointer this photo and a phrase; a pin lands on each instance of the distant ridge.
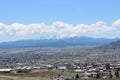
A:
(112, 45)
(65, 42)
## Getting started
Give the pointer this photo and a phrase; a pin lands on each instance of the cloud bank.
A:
(57, 29)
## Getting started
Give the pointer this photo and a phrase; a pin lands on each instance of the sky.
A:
(39, 19)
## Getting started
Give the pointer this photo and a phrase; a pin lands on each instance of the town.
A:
(61, 64)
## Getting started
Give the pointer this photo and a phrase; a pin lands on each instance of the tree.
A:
(110, 75)
(107, 66)
(117, 74)
(77, 76)
(98, 75)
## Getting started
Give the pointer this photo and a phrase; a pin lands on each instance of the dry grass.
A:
(22, 78)
(41, 75)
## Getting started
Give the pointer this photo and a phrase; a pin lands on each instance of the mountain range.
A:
(65, 42)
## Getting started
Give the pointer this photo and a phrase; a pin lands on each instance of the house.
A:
(79, 70)
(6, 70)
(63, 68)
(24, 69)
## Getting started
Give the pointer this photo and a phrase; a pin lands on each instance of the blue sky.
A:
(34, 19)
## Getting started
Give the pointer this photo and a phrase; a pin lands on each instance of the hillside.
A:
(113, 46)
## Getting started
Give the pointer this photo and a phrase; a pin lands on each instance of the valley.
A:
(65, 61)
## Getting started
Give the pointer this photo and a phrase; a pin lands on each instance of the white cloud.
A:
(116, 23)
(60, 28)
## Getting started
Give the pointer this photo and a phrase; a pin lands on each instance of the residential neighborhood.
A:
(85, 66)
